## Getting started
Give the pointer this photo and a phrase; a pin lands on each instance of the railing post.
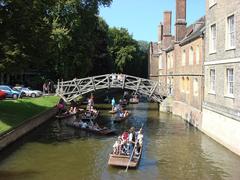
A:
(138, 85)
(154, 88)
(123, 85)
(93, 84)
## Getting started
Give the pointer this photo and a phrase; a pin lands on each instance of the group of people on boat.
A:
(119, 109)
(87, 125)
(129, 143)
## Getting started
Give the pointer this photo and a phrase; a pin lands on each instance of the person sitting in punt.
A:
(92, 110)
(117, 146)
(121, 114)
(61, 106)
(88, 113)
(126, 113)
(84, 125)
(73, 110)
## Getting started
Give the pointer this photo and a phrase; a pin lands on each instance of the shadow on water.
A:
(5, 175)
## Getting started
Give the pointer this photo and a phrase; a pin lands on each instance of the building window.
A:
(212, 38)
(168, 61)
(197, 55)
(230, 36)
(182, 83)
(187, 85)
(183, 58)
(160, 63)
(195, 87)
(212, 80)
(230, 81)
(212, 3)
(171, 60)
(191, 56)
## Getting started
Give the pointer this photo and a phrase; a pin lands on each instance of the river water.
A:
(172, 150)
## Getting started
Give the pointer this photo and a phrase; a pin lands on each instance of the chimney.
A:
(180, 25)
(160, 32)
(167, 37)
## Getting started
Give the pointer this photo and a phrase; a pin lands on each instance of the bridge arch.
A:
(70, 90)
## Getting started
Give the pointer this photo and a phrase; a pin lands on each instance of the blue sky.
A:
(141, 17)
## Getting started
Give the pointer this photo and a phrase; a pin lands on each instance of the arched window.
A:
(191, 52)
(160, 63)
(183, 58)
(182, 84)
(197, 55)
(195, 87)
(168, 61)
(187, 85)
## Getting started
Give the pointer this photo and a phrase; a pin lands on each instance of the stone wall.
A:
(16, 133)
(223, 129)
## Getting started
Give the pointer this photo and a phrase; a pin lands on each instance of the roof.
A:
(194, 31)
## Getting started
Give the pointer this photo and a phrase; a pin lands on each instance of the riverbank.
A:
(15, 112)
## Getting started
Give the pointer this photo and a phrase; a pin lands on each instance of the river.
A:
(172, 150)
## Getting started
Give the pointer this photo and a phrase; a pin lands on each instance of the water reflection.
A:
(172, 150)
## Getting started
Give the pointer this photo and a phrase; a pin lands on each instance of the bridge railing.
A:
(70, 90)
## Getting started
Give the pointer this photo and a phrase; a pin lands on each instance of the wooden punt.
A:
(101, 131)
(123, 160)
(121, 119)
(64, 116)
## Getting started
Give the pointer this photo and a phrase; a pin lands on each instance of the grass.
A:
(14, 112)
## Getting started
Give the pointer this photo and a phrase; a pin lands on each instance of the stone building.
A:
(221, 107)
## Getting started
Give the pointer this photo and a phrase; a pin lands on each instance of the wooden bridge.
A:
(70, 90)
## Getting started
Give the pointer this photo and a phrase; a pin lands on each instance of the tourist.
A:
(44, 88)
(117, 146)
(126, 113)
(61, 106)
(131, 141)
(139, 140)
(113, 103)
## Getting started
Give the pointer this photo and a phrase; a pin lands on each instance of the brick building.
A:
(180, 64)
(221, 107)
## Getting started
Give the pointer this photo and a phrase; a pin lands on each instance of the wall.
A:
(26, 127)
(223, 129)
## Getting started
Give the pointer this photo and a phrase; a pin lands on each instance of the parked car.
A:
(2, 95)
(10, 93)
(25, 91)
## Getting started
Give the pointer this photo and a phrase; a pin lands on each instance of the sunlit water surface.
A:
(172, 150)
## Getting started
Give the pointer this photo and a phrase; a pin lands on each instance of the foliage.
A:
(64, 39)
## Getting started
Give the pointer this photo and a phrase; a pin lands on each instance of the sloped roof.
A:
(194, 31)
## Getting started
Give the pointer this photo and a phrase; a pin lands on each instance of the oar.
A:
(130, 158)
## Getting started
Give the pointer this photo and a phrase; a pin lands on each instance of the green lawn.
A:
(14, 112)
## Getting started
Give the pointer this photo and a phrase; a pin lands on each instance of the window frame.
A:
(228, 82)
(212, 84)
(195, 87)
(227, 33)
(183, 62)
(191, 56)
(211, 42)
(197, 54)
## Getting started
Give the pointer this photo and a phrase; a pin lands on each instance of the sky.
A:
(141, 17)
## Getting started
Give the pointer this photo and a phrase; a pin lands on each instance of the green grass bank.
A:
(14, 112)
